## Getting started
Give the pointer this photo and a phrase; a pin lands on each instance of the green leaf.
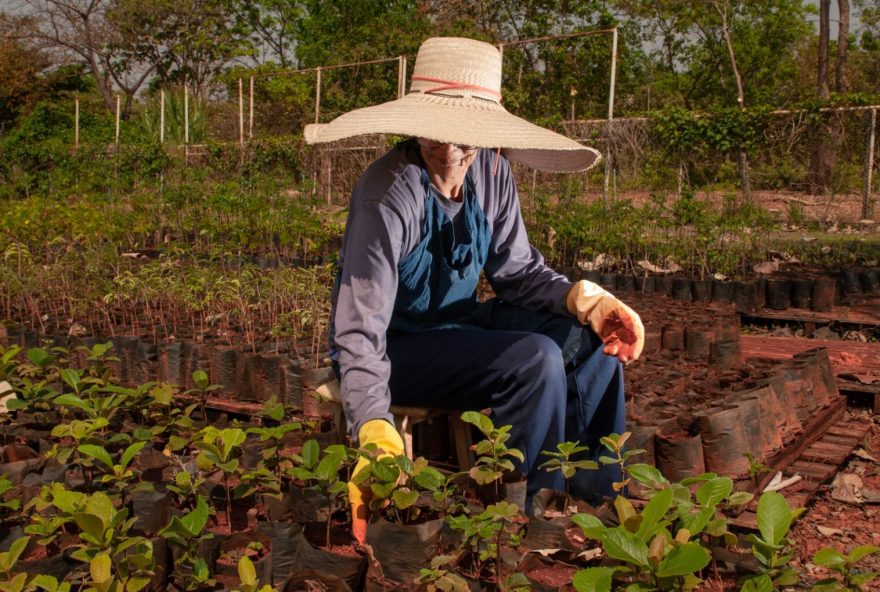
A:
(130, 452)
(247, 573)
(90, 525)
(195, 521)
(861, 551)
(774, 517)
(829, 557)
(100, 568)
(71, 400)
(10, 557)
(483, 423)
(624, 546)
(591, 525)
(71, 377)
(713, 491)
(683, 559)
(646, 474)
(654, 511)
(200, 378)
(309, 454)
(593, 579)
(404, 498)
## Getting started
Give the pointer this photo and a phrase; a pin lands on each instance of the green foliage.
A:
(562, 461)
(438, 579)
(186, 533)
(483, 533)
(492, 452)
(771, 547)
(844, 565)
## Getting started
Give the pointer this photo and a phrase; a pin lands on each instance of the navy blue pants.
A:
(541, 373)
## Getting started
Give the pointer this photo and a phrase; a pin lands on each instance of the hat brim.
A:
(461, 120)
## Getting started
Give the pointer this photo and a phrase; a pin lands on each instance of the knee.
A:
(543, 359)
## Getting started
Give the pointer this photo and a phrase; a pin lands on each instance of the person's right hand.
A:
(616, 324)
(388, 441)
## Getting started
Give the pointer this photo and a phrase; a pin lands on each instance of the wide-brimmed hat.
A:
(455, 96)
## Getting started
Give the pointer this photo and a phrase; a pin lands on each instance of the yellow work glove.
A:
(616, 324)
(388, 441)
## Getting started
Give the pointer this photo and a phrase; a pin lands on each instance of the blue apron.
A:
(437, 286)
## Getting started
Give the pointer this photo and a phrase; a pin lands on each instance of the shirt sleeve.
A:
(515, 269)
(364, 305)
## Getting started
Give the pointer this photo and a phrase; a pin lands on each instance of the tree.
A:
(841, 83)
(83, 30)
(273, 27)
(21, 83)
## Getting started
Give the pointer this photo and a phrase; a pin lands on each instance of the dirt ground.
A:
(830, 522)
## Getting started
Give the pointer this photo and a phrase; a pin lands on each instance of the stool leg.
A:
(461, 434)
(339, 422)
(404, 426)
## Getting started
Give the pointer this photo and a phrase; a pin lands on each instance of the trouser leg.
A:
(519, 375)
(595, 406)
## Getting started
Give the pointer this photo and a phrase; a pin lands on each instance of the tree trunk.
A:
(819, 174)
(867, 200)
(745, 183)
(841, 83)
(824, 34)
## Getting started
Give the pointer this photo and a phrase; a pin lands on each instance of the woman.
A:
(425, 221)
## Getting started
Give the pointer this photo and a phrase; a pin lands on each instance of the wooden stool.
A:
(322, 382)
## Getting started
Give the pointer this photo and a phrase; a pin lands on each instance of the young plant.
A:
(272, 435)
(853, 580)
(396, 483)
(247, 573)
(771, 547)
(8, 507)
(118, 475)
(186, 533)
(615, 444)
(167, 419)
(483, 533)
(645, 546)
(202, 389)
(322, 473)
(438, 579)
(221, 449)
(492, 452)
(99, 360)
(562, 461)
(117, 562)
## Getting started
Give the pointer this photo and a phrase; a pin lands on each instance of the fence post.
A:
(240, 114)
(867, 202)
(186, 114)
(162, 116)
(251, 110)
(76, 122)
(118, 101)
(318, 96)
(401, 76)
(611, 86)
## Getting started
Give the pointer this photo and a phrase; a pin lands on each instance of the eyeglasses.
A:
(434, 145)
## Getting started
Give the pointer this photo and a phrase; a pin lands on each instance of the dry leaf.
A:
(828, 532)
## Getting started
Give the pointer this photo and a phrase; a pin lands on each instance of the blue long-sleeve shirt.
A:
(384, 225)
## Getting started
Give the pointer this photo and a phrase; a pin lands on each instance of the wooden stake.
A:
(76, 122)
(867, 202)
(611, 86)
(240, 113)
(161, 116)
(251, 108)
(318, 95)
(118, 102)
(185, 114)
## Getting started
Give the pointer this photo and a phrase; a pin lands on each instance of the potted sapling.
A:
(493, 470)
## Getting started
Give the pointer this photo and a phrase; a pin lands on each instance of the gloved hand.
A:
(617, 325)
(388, 441)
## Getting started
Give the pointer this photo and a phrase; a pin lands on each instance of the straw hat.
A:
(455, 96)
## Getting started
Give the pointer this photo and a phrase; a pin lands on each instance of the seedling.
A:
(771, 547)
(562, 461)
(247, 573)
(484, 532)
(221, 449)
(645, 546)
(186, 533)
(492, 452)
(202, 389)
(438, 579)
(853, 581)
(615, 444)
(322, 474)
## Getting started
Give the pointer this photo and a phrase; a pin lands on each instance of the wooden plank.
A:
(846, 316)
(839, 440)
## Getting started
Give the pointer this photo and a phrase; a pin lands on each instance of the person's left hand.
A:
(382, 434)
(616, 324)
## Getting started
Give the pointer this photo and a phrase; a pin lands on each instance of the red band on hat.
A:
(453, 85)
